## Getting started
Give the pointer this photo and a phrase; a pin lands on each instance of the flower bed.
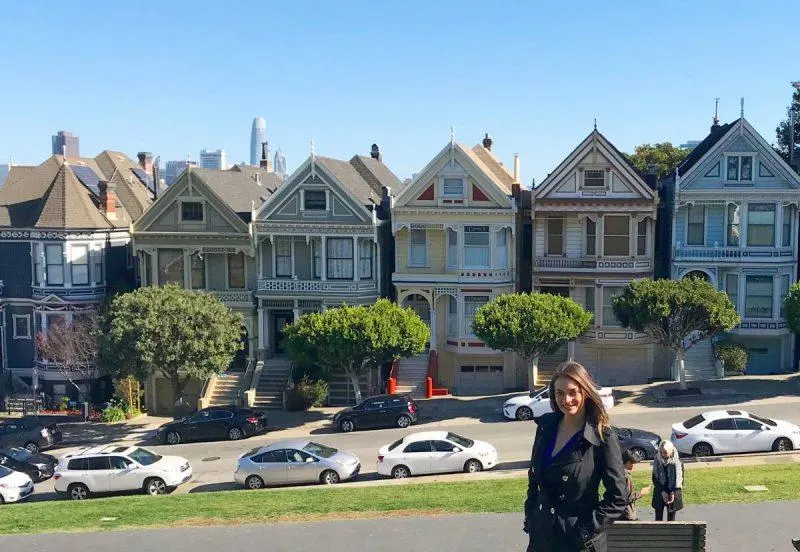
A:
(72, 415)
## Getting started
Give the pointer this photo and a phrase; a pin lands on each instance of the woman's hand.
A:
(665, 497)
(671, 498)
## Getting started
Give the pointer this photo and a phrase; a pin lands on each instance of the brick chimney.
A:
(146, 161)
(108, 198)
(375, 153)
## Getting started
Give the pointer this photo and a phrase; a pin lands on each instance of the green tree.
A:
(664, 156)
(355, 339)
(530, 324)
(675, 313)
(783, 131)
(792, 306)
(179, 333)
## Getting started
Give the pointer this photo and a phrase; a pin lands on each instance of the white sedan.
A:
(537, 403)
(14, 485)
(434, 452)
(733, 431)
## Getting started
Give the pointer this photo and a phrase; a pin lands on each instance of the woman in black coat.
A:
(573, 451)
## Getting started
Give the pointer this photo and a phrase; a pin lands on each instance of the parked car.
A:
(642, 445)
(38, 466)
(215, 422)
(109, 469)
(378, 411)
(14, 485)
(537, 402)
(434, 452)
(30, 433)
(733, 431)
(295, 461)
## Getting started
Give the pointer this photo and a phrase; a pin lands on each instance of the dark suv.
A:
(216, 422)
(379, 411)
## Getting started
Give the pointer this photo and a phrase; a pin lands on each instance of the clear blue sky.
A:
(175, 77)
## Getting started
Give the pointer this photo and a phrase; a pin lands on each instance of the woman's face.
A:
(569, 397)
(664, 454)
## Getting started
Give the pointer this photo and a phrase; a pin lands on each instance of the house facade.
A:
(594, 225)
(455, 230)
(733, 208)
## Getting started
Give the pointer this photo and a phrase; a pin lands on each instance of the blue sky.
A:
(175, 77)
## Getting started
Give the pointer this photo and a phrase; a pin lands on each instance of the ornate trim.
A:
(439, 291)
(315, 229)
(58, 235)
(439, 211)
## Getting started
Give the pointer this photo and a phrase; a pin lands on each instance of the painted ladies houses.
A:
(732, 209)
(455, 226)
(323, 239)
(64, 243)
(594, 222)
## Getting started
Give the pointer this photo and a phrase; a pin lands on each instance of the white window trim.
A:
(65, 282)
(192, 199)
(303, 209)
(462, 312)
(739, 181)
(628, 220)
(427, 249)
(585, 231)
(705, 226)
(464, 247)
(773, 297)
(777, 230)
(71, 263)
(27, 318)
(607, 178)
(725, 216)
(464, 184)
(205, 270)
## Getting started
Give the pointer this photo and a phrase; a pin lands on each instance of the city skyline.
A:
(258, 135)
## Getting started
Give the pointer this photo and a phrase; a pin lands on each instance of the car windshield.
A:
(320, 450)
(144, 457)
(463, 442)
(18, 454)
(763, 420)
(691, 422)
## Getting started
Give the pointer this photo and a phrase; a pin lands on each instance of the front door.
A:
(279, 320)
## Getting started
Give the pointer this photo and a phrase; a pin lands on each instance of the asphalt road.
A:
(213, 463)
(731, 528)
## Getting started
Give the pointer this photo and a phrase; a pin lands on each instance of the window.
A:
(786, 233)
(79, 265)
(316, 252)
(589, 302)
(696, 231)
(54, 259)
(609, 318)
(745, 424)
(732, 288)
(221, 415)
(476, 246)
(418, 446)
(591, 237)
(119, 463)
(98, 463)
(192, 211)
(198, 271)
(555, 236)
(417, 248)
(691, 422)
(732, 235)
(314, 200)
(36, 249)
(270, 457)
(170, 267)
(761, 224)
(758, 297)
(297, 456)
(641, 238)
(236, 265)
(78, 464)
(739, 168)
(501, 252)
(723, 424)
(471, 304)
(340, 258)
(452, 187)
(22, 326)
(283, 257)
(442, 446)
(452, 248)
(616, 236)
(784, 293)
(364, 259)
(452, 315)
(97, 261)
(594, 179)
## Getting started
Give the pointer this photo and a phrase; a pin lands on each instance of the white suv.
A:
(112, 468)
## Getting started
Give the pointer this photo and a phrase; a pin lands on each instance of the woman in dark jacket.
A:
(573, 451)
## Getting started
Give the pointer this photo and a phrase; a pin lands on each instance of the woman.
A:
(573, 451)
(633, 495)
(667, 482)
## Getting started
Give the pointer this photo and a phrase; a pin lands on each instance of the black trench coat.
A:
(563, 511)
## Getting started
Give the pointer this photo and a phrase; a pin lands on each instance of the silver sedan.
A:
(293, 462)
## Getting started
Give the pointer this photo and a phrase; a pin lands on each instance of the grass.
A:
(712, 485)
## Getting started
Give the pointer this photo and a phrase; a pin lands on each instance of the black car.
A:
(216, 422)
(29, 433)
(379, 411)
(38, 466)
(643, 445)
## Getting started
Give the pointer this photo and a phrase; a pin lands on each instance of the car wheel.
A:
(473, 466)
(782, 445)
(524, 414)
(403, 421)
(155, 486)
(401, 472)
(347, 426)
(638, 454)
(173, 438)
(254, 482)
(702, 449)
(78, 491)
(32, 447)
(329, 477)
(234, 434)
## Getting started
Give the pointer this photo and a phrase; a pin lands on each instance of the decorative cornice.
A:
(315, 229)
(440, 212)
(16, 234)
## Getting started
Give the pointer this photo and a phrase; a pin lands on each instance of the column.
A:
(434, 323)
(632, 236)
(266, 333)
(598, 237)
(324, 257)
(262, 329)
(296, 314)
(743, 225)
(460, 247)
(492, 242)
(356, 255)
(778, 224)
(154, 268)
(273, 252)
(294, 263)
(376, 259)
(598, 305)
(260, 258)
(776, 296)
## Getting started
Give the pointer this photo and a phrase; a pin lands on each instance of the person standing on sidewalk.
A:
(574, 449)
(633, 495)
(667, 482)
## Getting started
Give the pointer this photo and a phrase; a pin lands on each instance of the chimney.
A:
(375, 153)
(516, 168)
(146, 161)
(487, 142)
(264, 163)
(651, 176)
(108, 198)
(515, 190)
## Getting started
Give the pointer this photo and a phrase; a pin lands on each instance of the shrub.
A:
(113, 414)
(733, 356)
(306, 393)
(63, 403)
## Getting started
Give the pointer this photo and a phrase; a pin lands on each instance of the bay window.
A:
(555, 236)
(501, 251)
(340, 258)
(591, 237)
(733, 224)
(198, 267)
(79, 265)
(471, 304)
(696, 227)
(476, 246)
(452, 248)
(786, 233)
(589, 300)
(641, 238)
(283, 257)
(364, 259)
(761, 224)
(732, 288)
(616, 236)
(316, 257)
(170, 267)
(609, 318)
(758, 297)
(54, 261)
(417, 248)
(236, 271)
(97, 261)
(36, 248)
(452, 315)
(784, 292)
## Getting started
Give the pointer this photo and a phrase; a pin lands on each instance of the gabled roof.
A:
(716, 134)
(241, 187)
(503, 177)
(375, 173)
(360, 176)
(68, 204)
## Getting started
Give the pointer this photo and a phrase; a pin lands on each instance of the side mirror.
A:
(764, 428)
(309, 459)
(457, 449)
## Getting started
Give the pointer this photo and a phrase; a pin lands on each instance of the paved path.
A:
(731, 528)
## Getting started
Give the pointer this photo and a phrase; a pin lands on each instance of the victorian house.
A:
(455, 230)
(732, 220)
(594, 220)
(64, 244)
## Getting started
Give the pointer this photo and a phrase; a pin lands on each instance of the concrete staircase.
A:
(411, 375)
(226, 390)
(272, 383)
(700, 363)
(548, 364)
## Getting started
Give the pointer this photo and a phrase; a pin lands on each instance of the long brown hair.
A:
(595, 411)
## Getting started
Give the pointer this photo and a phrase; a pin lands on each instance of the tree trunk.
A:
(354, 382)
(682, 368)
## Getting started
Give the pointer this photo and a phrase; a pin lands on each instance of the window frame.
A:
(15, 318)
(411, 246)
(590, 292)
(548, 235)
(451, 195)
(48, 264)
(609, 305)
(472, 231)
(501, 258)
(181, 256)
(278, 255)
(228, 273)
(627, 235)
(764, 278)
(739, 156)
(590, 247)
(585, 177)
(468, 318)
(786, 225)
(452, 248)
(365, 246)
(735, 298)
(197, 256)
(751, 208)
(689, 224)
(315, 193)
(785, 284)
(642, 238)
(730, 225)
(86, 264)
(452, 317)
(329, 259)
(192, 201)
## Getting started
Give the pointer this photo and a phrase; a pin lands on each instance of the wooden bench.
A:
(657, 536)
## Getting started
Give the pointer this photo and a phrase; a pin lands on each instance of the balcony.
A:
(734, 254)
(762, 326)
(235, 297)
(592, 264)
(301, 287)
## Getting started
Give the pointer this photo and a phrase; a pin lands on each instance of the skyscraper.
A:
(258, 136)
(64, 143)
(3, 173)
(174, 170)
(213, 159)
(279, 165)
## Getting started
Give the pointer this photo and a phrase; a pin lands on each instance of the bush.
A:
(63, 403)
(307, 393)
(734, 357)
(113, 414)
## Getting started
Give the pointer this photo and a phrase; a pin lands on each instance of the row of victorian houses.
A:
(461, 232)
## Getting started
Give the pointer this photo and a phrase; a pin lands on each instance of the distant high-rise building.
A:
(279, 165)
(690, 144)
(213, 159)
(258, 135)
(64, 143)
(3, 174)
(174, 170)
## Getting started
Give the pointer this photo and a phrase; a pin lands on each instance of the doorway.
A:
(279, 320)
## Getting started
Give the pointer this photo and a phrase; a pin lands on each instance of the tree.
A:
(355, 339)
(783, 132)
(179, 333)
(675, 313)
(72, 348)
(530, 324)
(664, 156)
(792, 305)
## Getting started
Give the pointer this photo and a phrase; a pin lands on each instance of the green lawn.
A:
(234, 507)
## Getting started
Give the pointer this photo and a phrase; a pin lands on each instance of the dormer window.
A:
(739, 168)
(314, 200)
(594, 179)
(452, 187)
